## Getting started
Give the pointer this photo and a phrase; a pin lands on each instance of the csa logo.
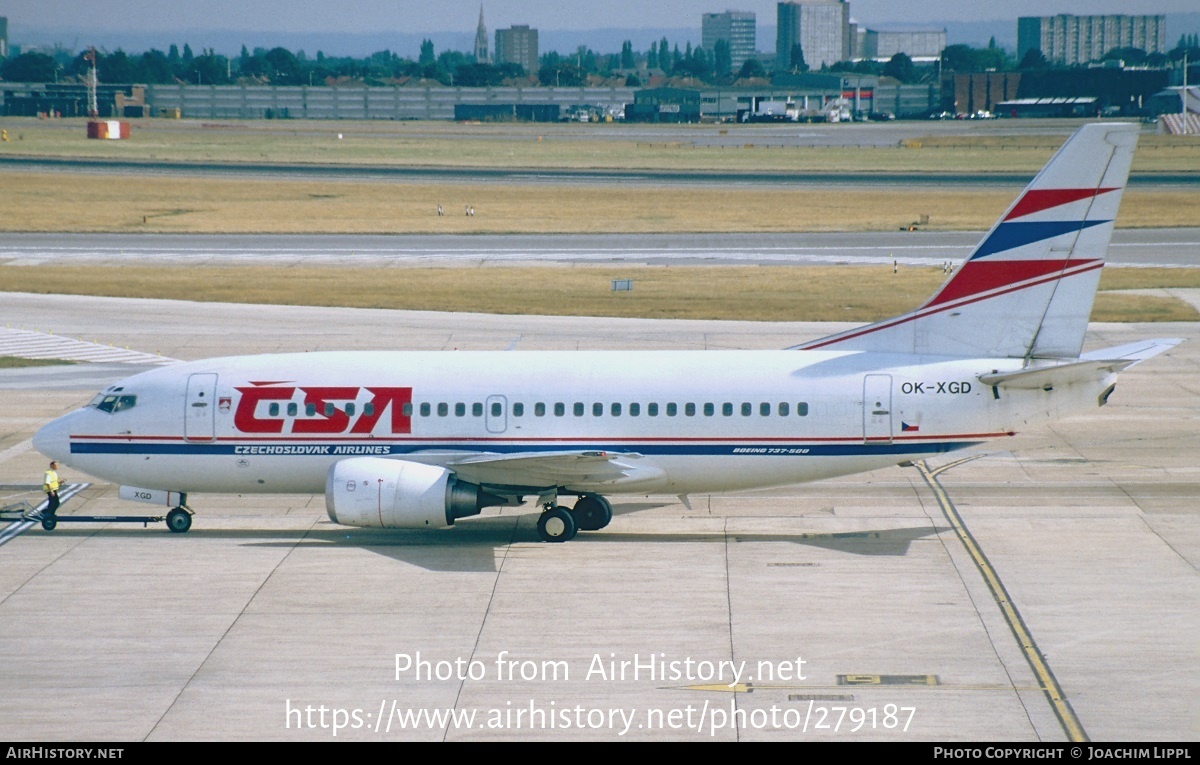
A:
(264, 408)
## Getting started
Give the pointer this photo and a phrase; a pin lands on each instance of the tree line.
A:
(279, 66)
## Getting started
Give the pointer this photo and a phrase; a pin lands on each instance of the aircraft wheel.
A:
(49, 523)
(592, 512)
(179, 520)
(557, 525)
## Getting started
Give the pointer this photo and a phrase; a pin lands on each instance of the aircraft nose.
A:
(53, 439)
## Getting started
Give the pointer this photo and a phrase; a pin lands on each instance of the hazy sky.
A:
(358, 16)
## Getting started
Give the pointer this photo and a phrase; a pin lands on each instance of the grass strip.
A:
(744, 293)
(116, 203)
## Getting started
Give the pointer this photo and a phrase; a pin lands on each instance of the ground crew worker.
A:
(50, 486)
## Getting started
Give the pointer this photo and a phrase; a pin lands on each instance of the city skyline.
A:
(357, 16)
(137, 30)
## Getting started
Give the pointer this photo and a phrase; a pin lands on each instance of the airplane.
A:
(422, 439)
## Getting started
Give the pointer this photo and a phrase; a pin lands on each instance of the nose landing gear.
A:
(179, 520)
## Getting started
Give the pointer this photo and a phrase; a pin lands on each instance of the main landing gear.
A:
(558, 524)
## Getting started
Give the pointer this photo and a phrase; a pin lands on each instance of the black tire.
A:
(179, 521)
(592, 512)
(49, 523)
(557, 525)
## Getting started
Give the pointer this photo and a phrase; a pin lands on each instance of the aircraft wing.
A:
(591, 470)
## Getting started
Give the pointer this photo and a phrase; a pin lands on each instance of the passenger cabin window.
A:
(783, 409)
(518, 410)
(616, 410)
(652, 410)
(709, 410)
(293, 409)
(460, 409)
(764, 409)
(635, 410)
(310, 410)
(672, 410)
(578, 408)
(443, 409)
(560, 409)
(406, 410)
(350, 409)
(539, 409)
(273, 410)
(496, 409)
(801, 409)
(477, 409)
(425, 409)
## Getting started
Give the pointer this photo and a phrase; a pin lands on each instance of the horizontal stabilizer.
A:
(1090, 367)
(1055, 376)
(1134, 353)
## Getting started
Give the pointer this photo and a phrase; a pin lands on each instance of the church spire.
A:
(481, 41)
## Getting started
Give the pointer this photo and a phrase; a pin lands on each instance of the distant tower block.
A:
(518, 45)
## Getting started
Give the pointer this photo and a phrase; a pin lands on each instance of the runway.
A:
(542, 176)
(1174, 247)
(746, 617)
(860, 135)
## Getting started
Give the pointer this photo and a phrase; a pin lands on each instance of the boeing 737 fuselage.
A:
(420, 439)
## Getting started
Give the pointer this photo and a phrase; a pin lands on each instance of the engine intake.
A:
(398, 494)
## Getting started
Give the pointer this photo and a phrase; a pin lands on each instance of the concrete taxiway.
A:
(850, 609)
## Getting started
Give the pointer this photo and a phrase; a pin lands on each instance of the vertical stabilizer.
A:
(1027, 289)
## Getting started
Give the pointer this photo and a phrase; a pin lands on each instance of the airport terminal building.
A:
(810, 93)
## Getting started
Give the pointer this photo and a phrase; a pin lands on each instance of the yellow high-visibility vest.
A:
(50, 481)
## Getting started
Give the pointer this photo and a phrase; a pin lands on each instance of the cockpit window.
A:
(113, 403)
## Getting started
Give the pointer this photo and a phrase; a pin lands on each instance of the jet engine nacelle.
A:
(397, 494)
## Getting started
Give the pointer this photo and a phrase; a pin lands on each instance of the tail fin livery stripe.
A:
(1075, 269)
(978, 277)
(1008, 236)
(1027, 290)
(1036, 200)
(935, 307)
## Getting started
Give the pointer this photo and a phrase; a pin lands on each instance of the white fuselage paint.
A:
(196, 427)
